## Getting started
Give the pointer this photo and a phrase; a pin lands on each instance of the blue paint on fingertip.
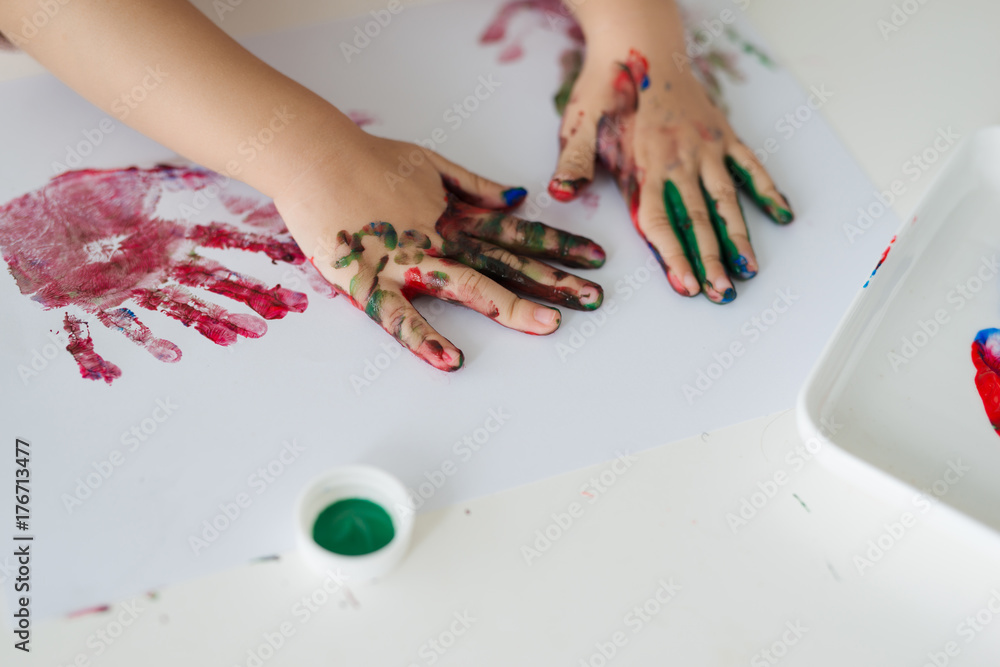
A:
(514, 196)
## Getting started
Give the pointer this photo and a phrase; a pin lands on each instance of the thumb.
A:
(473, 188)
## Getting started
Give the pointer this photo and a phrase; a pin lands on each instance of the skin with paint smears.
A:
(678, 165)
(986, 358)
(381, 268)
(91, 240)
(631, 105)
(353, 527)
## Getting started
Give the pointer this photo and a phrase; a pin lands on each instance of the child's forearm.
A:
(618, 24)
(169, 72)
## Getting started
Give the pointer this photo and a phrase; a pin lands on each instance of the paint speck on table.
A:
(801, 502)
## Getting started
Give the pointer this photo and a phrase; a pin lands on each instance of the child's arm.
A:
(637, 105)
(377, 232)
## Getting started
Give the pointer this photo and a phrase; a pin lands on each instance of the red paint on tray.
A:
(986, 358)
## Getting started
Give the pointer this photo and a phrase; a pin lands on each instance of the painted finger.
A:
(473, 188)
(458, 282)
(535, 278)
(748, 173)
(688, 215)
(727, 218)
(536, 239)
(650, 218)
(400, 319)
(577, 151)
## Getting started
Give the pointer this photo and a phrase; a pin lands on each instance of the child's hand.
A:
(381, 238)
(377, 235)
(677, 161)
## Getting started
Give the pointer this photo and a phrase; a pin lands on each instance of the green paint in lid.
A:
(353, 527)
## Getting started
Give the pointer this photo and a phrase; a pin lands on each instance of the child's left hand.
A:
(677, 161)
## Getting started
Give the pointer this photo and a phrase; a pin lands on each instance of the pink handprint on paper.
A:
(92, 239)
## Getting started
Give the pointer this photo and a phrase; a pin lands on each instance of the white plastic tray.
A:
(906, 427)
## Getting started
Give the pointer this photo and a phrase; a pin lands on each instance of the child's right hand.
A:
(381, 237)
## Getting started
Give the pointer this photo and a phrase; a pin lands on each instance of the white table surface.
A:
(788, 581)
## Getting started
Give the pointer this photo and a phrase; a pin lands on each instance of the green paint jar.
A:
(355, 521)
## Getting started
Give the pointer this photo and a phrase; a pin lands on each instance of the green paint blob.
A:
(683, 226)
(353, 527)
(743, 178)
(736, 262)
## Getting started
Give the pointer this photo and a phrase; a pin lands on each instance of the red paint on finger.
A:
(565, 190)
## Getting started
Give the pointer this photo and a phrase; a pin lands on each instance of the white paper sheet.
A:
(621, 389)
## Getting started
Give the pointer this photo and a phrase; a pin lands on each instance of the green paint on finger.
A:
(743, 178)
(532, 235)
(572, 63)
(683, 226)
(736, 261)
(373, 307)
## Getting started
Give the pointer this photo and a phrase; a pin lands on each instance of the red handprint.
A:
(93, 239)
